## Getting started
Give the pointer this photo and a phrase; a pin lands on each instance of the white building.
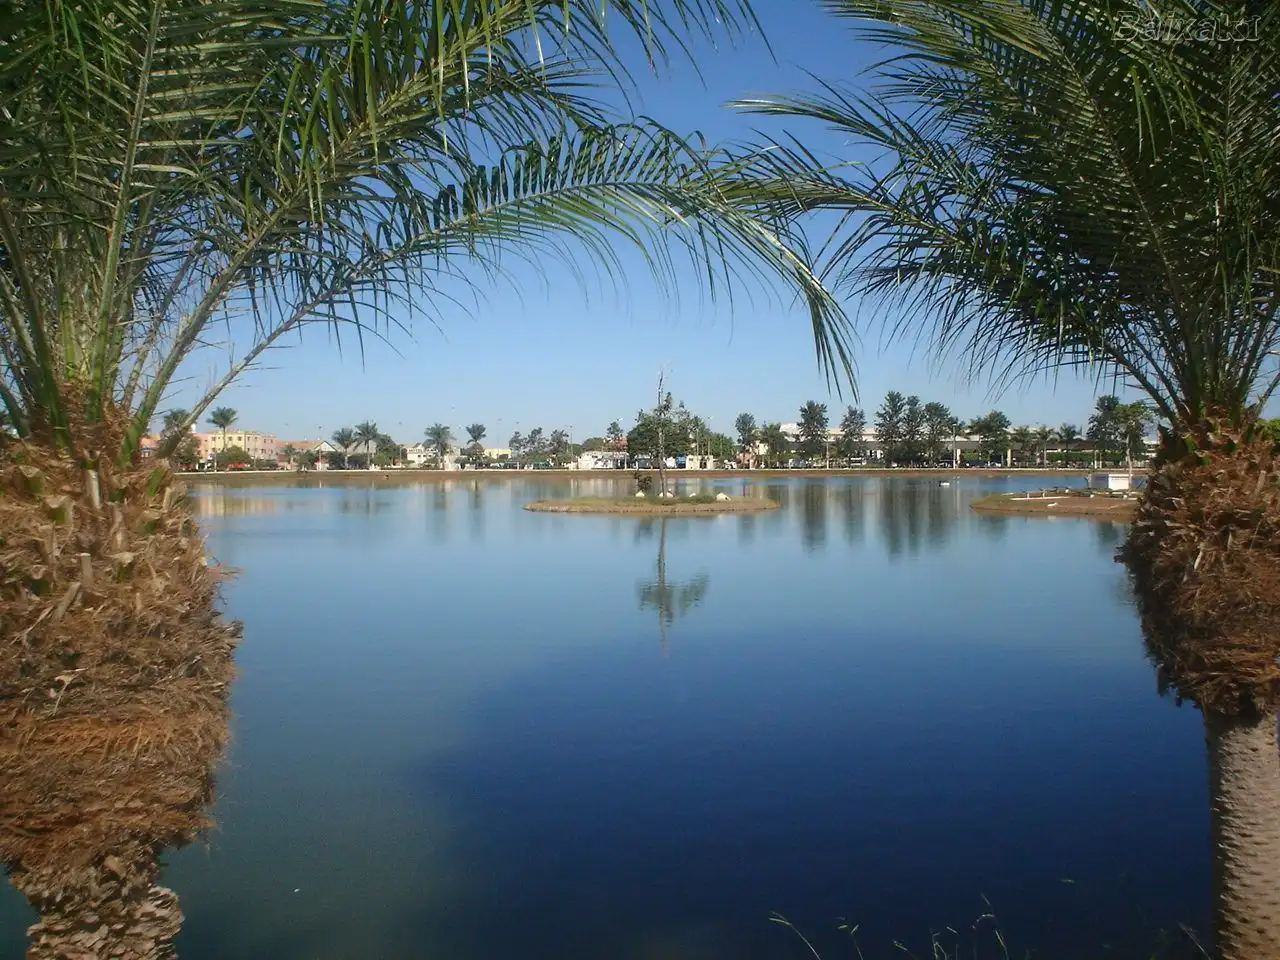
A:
(602, 460)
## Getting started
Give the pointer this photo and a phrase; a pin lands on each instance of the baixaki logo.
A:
(1181, 29)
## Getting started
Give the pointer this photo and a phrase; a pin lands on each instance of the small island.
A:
(651, 505)
(1070, 502)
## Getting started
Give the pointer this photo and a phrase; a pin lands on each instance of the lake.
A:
(464, 731)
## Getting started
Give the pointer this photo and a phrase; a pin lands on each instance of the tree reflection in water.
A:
(98, 780)
(670, 599)
(813, 515)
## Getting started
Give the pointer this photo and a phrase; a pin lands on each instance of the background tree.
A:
(439, 439)
(776, 442)
(889, 426)
(1022, 440)
(517, 445)
(913, 430)
(813, 429)
(937, 429)
(656, 434)
(1067, 435)
(992, 431)
(176, 437)
(475, 448)
(594, 444)
(614, 435)
(344, 438)
(289, 452)
(535, 444)
(222, 418)
(1043, 437)
(852, 426)
(745, 427)
(387, 452)
(306, 460)
(1104, 428)
(558, 445)
(721, 446)
(234, 455)
(1133, 420)
(367, 436)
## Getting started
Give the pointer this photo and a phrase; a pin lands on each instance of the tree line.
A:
(913, 433)
(910, 433)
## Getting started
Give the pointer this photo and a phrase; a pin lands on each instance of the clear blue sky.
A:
(551, 353)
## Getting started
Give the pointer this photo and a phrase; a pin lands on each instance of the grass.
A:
(984, 940)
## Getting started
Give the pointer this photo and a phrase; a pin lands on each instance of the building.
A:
(321, 448)
(259, 446)
(602, 460)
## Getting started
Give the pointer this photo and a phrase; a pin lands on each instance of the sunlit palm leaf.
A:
(171, 163)
(1045, 188)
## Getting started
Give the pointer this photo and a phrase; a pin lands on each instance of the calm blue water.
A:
(468, 731)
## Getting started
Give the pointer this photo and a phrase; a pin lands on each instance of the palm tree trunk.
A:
(116, 911)
(1244, 791)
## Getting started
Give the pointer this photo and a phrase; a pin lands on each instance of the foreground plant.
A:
(169, 168)
(1040, 187)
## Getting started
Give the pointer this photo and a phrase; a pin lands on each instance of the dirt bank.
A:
(1059, 503)
(652, 507)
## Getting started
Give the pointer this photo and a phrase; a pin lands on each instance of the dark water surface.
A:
(468, 731)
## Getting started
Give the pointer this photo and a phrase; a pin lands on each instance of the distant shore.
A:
(1100, 506)
(652, 506)
(253, 478)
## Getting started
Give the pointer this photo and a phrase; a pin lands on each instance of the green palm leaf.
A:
(1044, 189)
(171, 164)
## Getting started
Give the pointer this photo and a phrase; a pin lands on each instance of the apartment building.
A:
(259, 446)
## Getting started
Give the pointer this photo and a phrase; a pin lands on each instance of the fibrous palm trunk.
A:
(1204, 558)
(114, 677)
(111, 909)
(1244, 793)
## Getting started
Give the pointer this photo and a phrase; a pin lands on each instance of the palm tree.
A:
(1021, 439)
(1043, 437)
(222, 418)
(1132, 421)
(367, 437)
(1067, 434)
(475, 449)
(344, 439)
(1104, 427)
(440, 439)
(772, 436)
(1061, 192)
(175, 419)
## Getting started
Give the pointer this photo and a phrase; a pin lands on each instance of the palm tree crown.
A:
(439, 438)
(165, 180)
(1058, 192)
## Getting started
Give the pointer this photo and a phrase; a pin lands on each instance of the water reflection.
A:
(813, 516)
(668, 599)
(97, 782)
(852, 501)
(223, 504)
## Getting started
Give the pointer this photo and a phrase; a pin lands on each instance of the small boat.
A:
(944, 483)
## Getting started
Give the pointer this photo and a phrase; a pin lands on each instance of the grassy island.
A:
(654, 506)
(1073, 502)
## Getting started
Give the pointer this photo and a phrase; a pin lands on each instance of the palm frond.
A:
(165, 164)
(1043, 188)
